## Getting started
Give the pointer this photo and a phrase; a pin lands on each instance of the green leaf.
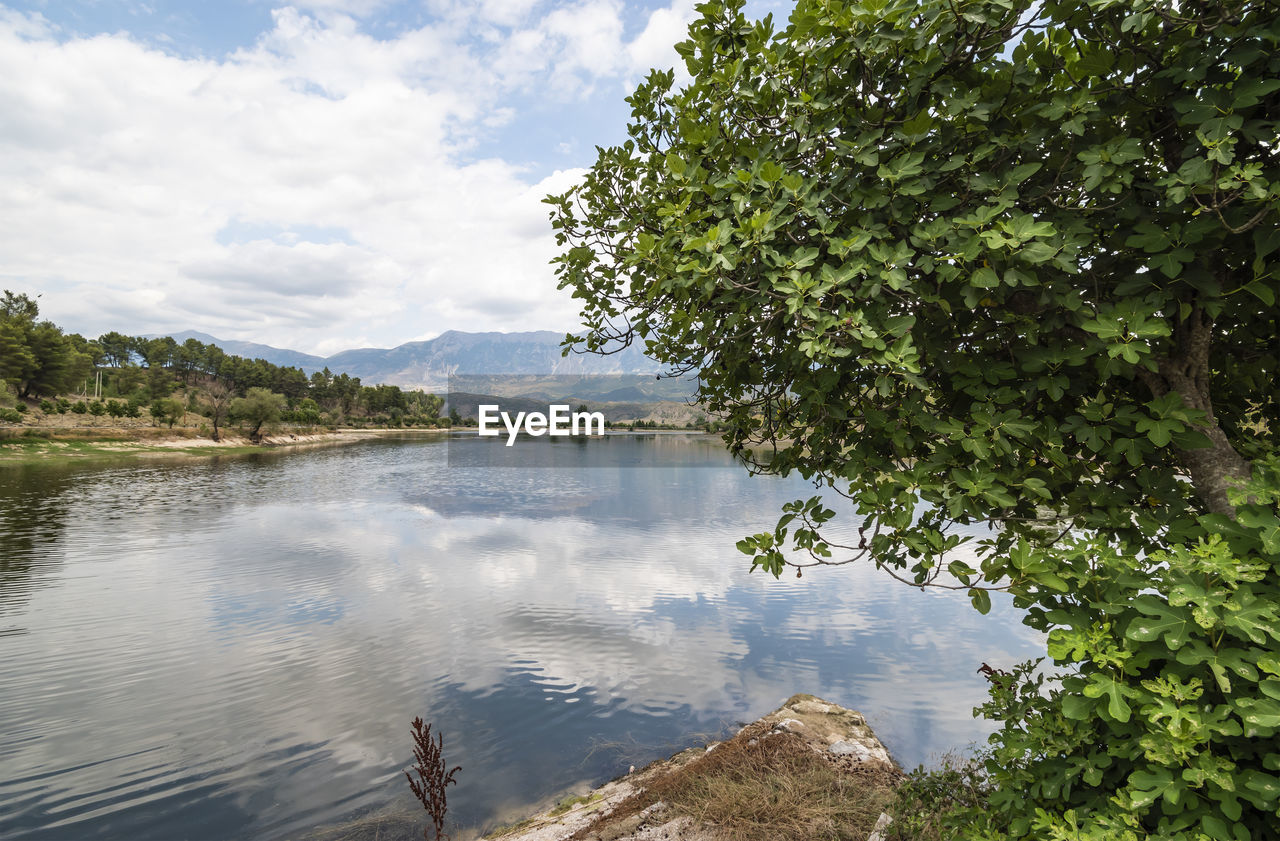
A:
(981, 600)
(1024, 171)
(985, 278)
(1220, 674)
(1076, 707)
(1267, 785)
(1161, 621)
(1262, 292)
(1096, 63)
(918, 126)
(1113, 690)
(1149, 785)
(1259, 712)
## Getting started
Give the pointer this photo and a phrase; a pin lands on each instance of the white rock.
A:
(857, 750)
(791, 725)
(649, 812)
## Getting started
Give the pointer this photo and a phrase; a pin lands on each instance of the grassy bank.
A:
(19, 446)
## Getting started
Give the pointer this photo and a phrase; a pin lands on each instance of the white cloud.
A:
(653, 47)
(121, 163)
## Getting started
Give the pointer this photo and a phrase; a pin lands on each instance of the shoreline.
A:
(653, 803)
(824, 747)
(36, 445)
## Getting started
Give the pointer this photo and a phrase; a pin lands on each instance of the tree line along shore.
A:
(57, 380)
(60, 385)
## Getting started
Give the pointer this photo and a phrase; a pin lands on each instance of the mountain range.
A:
(527, 363)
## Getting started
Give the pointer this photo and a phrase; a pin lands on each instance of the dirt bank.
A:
(25, 446)
(802, 771)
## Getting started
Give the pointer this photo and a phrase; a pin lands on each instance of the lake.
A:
(234, 647)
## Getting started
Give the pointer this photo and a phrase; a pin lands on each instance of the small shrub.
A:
(79, 408)
(47, 407)
(934, 804)
(97, 408)
(10, 416)
(167, 410)
(429, 788)
(21, 407)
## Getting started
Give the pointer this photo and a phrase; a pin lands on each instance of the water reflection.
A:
(236, 649)
(33, 511)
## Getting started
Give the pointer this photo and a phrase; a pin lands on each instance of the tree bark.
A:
(1186, 372)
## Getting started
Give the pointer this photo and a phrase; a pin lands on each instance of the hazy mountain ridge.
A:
(429, 364)
(252, 350)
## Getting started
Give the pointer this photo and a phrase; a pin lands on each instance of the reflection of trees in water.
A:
(37, 503)
(33, 516)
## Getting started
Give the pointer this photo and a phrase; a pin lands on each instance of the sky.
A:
(324, 175)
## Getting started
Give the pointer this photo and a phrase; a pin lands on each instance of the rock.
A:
(654, 810)
(811, 705)
(790, 725)
(840, 735)
(882, 824)
(857, 750)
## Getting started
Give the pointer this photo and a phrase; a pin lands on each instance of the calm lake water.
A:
(234, 647)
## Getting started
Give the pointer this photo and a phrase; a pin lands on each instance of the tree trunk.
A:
(1210, 468)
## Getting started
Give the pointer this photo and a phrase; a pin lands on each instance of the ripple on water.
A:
(235, 648)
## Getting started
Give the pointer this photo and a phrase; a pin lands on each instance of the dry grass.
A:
(763, 786)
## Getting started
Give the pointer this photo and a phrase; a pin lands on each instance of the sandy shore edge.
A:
(90, 443)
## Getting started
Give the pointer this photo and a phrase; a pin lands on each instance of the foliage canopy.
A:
(35, 357)
(258, 407)
(995, 261)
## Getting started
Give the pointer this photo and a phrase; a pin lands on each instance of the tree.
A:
(167, 410)
(117, 348)
(57, 364)
(15, 305)
(874, 236)
(156, 353)
(160, 383)
(217, 401)
(258, 407)
(35, 357)
(319, 387)
(91, 349)
(972, 262)
(291, 382)
(129, 379)
(17, 362)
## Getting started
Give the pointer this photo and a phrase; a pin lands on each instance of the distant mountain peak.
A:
(428, 364)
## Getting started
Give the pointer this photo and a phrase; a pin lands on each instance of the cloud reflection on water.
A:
(257, 635)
